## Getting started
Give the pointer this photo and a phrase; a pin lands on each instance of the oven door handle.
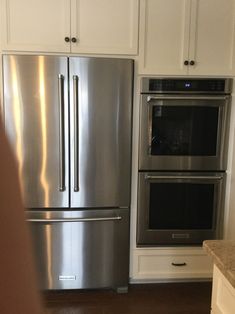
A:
(188, 97)
(183, 177)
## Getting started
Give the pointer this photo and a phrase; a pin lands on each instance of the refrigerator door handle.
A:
(74, 219)
(61, 134)
(76, 132)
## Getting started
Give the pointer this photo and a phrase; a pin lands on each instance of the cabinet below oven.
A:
(170, 264)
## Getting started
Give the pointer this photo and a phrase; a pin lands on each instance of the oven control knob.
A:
(186, 62)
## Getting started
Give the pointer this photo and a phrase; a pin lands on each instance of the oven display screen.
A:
(186, 85)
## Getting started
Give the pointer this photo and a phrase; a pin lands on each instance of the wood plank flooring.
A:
(164, 298)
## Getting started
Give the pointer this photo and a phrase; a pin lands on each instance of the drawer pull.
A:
(178, 264)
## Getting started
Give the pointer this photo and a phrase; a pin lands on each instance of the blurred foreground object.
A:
(18, 288)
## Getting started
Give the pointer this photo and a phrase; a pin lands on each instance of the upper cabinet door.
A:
(164, 36)
(33, 25)
(212, 37)
(104, 26)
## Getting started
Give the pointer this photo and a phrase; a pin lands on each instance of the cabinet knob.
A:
(74, 39)
(192, 62)
(67, 39)
(186, 62)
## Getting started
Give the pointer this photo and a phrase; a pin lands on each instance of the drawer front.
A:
(164, 264)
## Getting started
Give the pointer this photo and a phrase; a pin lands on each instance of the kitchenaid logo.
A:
(63, 277)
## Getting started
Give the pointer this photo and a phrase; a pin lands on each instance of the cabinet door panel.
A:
(104, 26)
(164, 36)
(212, 37)
(32, 25)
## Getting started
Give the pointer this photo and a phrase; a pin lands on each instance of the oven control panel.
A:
(186, 85)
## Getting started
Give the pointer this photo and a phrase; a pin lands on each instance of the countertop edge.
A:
(223, 255)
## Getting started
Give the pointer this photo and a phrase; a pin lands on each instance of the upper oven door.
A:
(183, 132)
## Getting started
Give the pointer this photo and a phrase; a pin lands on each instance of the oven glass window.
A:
(184, 130)
(181, 206)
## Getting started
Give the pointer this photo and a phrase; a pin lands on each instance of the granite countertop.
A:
(223, 254)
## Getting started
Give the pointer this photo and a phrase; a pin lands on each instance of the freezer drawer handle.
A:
(76, 132)
(61, 134)
(74, 219)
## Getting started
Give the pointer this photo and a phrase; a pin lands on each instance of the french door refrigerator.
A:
(69, 122)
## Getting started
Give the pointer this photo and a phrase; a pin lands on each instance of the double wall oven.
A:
(184, 125)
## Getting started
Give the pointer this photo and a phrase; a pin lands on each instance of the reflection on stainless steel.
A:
(17, 119)
(48, 250)
(69, 120)
(43, 120)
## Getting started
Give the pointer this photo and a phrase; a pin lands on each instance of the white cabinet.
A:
(104, 26)
(223, 294)
(77, 26)
(170, 263)
(187, 37)
(33, 25)
(164, 36)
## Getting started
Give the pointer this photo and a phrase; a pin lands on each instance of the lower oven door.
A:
(179, 208)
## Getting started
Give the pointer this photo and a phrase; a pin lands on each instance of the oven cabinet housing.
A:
(169, 264)
(76, 26)
(181, 37)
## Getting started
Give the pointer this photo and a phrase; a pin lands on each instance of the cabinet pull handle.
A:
(74, 39)
(178, 264)
(192, 62)
(186, 62)
(67, 39)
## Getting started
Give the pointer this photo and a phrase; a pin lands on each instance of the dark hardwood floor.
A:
(164, 298)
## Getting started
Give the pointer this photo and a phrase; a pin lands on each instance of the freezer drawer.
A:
(81, 249)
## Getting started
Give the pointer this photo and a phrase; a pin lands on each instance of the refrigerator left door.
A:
(36, 122)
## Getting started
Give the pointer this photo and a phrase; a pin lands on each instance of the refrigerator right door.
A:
(100, 135)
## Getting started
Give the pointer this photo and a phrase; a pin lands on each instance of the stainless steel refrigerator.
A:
(69, 121)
